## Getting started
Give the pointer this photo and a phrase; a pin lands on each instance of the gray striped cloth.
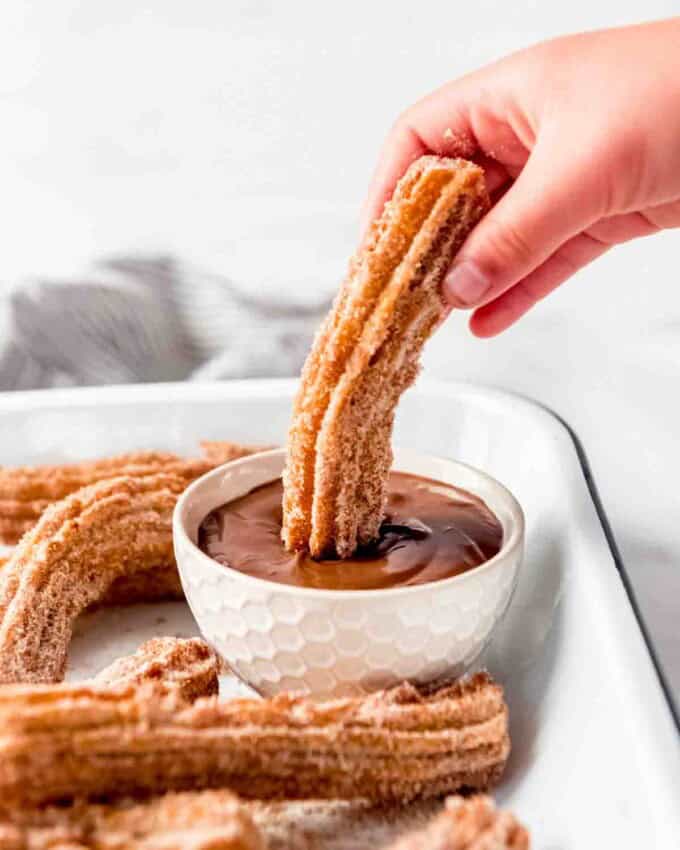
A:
(134, 319)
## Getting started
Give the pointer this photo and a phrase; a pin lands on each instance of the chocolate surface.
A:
(431, 531)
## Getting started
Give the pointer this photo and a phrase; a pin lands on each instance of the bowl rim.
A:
(511, 547)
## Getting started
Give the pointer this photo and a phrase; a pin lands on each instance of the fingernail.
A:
(465, 285)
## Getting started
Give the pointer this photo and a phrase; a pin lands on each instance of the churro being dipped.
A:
(367, 353)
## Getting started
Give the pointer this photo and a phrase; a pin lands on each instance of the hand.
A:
(580, 141)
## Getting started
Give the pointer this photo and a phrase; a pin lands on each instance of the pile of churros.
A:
(150, 737)
(146, 754)
(106, 537)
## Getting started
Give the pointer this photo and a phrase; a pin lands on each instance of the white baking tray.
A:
(596, 752)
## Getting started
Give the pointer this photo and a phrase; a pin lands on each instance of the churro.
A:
(223, 451)
(159, 584)
(468, 824)
(367, 353)
(26, 491)
(52, 482)
(395, 745)
(205, 820)
(79, 547)
(188, 666)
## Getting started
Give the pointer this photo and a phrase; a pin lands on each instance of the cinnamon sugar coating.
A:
(391, 746)
(26, 491)
(203, 820)
(188, 666)
(468, 824)
(367, 353)
(78, 549)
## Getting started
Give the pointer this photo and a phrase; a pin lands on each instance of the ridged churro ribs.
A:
(217, 820)
(200, 820)
(107, 543)
(26, 491)
(468, 824)
(189, 667)
(392, 746)
(367, 353)
(79, 547)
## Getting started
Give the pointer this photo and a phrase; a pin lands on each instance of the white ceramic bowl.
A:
(328, 642)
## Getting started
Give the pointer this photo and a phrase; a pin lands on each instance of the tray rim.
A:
(620, 565)
(15, 401)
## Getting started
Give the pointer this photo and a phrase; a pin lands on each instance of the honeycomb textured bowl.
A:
(323, 642)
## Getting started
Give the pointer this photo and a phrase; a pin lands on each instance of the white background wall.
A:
(242, 135)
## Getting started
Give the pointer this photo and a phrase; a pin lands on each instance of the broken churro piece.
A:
(189, 666)
(394, 745)
(205, 820)
(79, 547)
(367, 353)
(468, 824)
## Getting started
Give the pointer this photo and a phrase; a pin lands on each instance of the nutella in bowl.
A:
(329, 628)
(431, 531)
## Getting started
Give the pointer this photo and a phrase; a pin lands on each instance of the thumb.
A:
(551, 201)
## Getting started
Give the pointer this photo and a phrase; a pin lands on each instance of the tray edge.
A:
(617, 558)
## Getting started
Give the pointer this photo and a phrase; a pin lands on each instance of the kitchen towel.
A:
(135, 319)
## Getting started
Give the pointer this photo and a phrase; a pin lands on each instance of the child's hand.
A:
(580, 138)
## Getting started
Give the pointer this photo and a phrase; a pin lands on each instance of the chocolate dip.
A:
(431, 531)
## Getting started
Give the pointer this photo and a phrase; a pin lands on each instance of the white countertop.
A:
(241, 135)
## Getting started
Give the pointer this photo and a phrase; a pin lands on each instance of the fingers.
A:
(401, 150)
(577, 252)
(438, 124)
(621, 228)
(402, 146)
(663, 216)
(553, 199)
(467, 118)
(505, 310)
(496, 175)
